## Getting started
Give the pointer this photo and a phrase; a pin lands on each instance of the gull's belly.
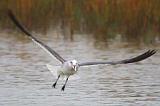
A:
(68, 71)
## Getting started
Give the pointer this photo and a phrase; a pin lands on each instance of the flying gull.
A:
(70, 67)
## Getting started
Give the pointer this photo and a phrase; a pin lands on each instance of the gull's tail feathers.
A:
(55, 70)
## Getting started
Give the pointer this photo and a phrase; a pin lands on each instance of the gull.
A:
(70, 67)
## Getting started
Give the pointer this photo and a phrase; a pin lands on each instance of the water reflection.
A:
(24, 79)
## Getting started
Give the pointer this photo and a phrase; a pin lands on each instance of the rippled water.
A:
(24, 79)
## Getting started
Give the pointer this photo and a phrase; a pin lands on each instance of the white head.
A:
(74, 64)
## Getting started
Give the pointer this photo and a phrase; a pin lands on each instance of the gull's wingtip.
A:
(152, 52)
(9, 12)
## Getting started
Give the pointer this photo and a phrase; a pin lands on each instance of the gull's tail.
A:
(55, 70)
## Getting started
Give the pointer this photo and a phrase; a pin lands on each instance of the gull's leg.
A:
(54, 85)
(64, 84)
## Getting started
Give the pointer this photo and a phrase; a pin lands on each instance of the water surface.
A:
(25, 80)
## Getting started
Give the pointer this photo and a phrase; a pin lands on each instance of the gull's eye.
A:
(71, 62)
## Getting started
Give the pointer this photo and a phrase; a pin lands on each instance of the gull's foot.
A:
(54, 85)
(63, 88)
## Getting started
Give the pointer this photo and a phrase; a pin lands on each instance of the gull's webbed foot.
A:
(54, 85)
(63, 88)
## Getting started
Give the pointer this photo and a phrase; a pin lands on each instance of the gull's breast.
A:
(68, 71)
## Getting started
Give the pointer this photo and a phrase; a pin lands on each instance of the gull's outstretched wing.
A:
(126, 61)
(42, 45)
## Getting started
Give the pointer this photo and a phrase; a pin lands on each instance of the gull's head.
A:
(74, 64)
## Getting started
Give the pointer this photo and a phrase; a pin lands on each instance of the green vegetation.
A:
(133, 19)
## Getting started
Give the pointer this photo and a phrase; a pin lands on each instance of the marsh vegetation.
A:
(130, 20)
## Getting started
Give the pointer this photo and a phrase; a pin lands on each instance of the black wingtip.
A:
(10, 14)
(141, 57)
(151, 52)
(17, 23)
(148, 54)
(9, 11)
(12, 17)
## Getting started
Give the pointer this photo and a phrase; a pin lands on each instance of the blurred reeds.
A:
(133, 19)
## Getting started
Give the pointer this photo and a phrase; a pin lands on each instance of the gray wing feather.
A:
(126, 61)
(42, 45)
